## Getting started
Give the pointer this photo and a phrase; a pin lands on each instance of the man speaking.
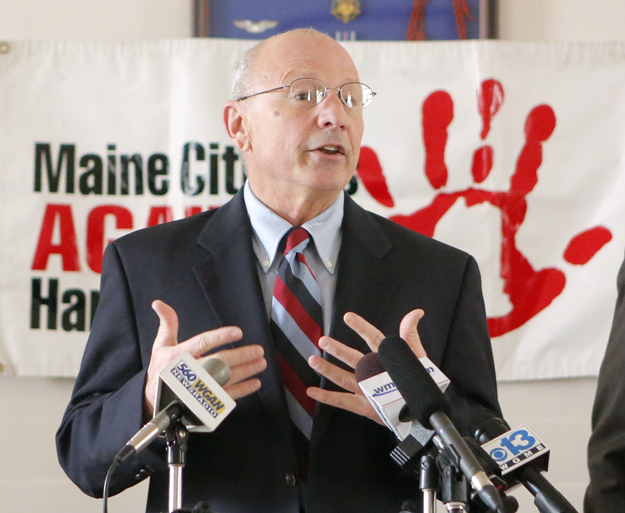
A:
(259, 281)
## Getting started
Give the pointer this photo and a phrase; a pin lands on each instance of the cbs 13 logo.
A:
(512, 445)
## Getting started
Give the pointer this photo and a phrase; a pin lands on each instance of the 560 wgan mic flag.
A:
(187, 392)
(186, 380)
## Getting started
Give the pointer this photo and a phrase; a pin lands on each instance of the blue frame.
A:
(379, 20)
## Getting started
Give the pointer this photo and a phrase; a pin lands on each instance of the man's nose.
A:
(332, 111)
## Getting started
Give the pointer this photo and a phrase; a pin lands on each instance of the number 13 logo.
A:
(516, 443)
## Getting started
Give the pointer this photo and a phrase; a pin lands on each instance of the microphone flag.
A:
(207, 403)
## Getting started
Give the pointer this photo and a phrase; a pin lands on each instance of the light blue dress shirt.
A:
(322, 257)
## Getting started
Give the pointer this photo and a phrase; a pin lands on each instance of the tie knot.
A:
(297, 240)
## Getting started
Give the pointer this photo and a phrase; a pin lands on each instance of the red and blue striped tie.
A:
(296, 322)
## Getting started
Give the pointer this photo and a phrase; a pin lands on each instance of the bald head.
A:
(244, 72)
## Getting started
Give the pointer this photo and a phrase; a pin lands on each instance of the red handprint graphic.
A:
(529, 290)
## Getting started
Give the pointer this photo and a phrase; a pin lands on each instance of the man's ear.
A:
(236, 126)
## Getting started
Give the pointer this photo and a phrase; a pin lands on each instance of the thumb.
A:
(167, 334)
(408, 331)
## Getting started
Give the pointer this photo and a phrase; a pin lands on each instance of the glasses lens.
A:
(356, 95)
(308, 90)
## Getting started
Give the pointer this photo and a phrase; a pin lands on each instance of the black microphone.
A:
(390, 406)
(193, 384)
(529, 456)
(430, 407)
(381, 393)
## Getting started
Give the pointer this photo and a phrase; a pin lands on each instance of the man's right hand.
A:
(244, 362)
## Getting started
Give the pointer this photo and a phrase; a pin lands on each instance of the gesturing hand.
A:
(244, 362)
(354, 400)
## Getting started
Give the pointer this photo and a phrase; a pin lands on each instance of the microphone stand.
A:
(177, 436)
(428, 482)
(405, 455)
(454, 489)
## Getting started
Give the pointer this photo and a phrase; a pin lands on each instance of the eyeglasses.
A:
(310, 91)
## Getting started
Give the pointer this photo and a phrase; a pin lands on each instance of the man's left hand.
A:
(353, 399)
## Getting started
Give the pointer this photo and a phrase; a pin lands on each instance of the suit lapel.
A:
(229, 279)
(364, 286)
(364, 283)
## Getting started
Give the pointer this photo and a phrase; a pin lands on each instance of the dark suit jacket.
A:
(606, 448)
(204, 267)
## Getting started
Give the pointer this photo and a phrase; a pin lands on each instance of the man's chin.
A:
(331, 183)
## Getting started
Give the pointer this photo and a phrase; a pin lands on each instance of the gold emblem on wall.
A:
(345, 10)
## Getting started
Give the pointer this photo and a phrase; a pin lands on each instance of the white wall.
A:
(30, 477)
(562, 20)
(95, 20)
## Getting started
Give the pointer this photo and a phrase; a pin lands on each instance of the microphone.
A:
(382, 394)
(189, 392)
(521, 457)
(429, 406)
(199, 388)
(390, 406)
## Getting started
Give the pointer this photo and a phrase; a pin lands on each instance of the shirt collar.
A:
(269, 229)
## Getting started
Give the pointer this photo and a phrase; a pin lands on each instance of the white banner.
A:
(514, 152)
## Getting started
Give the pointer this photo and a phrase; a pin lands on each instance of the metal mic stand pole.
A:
(428, 482)
(177, 436)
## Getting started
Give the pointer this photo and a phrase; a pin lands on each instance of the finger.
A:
(203, 342)
(346, 380)
(240, 373)
(240, 355)
(340, 351)
(242, 389)
(346, 401)
(408, 331)
(367, 331)
(167, 334)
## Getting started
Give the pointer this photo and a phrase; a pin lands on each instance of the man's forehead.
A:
(292, 56)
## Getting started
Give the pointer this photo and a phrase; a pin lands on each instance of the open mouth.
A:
(331, 150)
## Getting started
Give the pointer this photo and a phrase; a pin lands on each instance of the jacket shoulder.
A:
(384, 231)
(172, 232)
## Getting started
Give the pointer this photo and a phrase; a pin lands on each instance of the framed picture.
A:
(369, 20)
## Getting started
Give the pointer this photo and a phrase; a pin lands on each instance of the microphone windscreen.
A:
(490, 428)
(368, 366)
(218, 370)
(421, 393)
